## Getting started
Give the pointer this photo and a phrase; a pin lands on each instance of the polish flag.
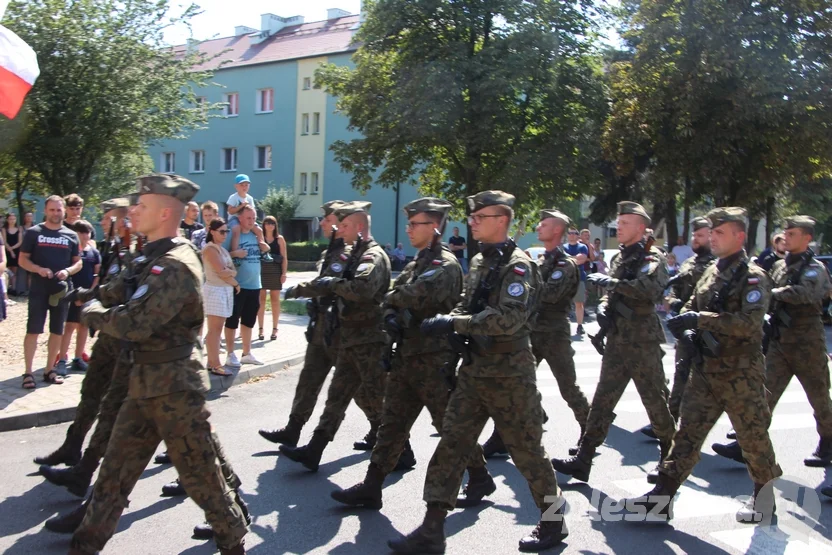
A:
(18, 71)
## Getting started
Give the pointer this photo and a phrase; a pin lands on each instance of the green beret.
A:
(699, 222)
(329, 207)
(350, 208)
(489, 198)
(806, 223)
(719, 216)
(557, 214)
(113, 203)
(628, 207)
(183, 190)
(427, 204)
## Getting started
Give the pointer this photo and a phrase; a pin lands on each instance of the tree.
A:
(463, 96)
(281, 203)
(108, 87)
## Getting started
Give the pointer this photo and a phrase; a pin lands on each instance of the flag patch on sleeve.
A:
(436, 262)
(367, 257)
(343, 256)
(519, 271)
(156, 270)
(753, 281)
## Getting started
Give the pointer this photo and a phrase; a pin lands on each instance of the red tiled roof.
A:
(297, 41)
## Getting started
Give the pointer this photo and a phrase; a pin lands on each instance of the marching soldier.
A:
(167, 378)
(682, 285)
(320, 351)
(360, 290)
(726, 315)
(431, 284)
(628, 319)
(798, 342)
(498, 381)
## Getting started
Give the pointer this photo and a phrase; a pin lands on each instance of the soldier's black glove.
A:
(392, 327)
(686, 321)
(290, 293)
(676, 306)
(326, 282)
(601, 317)
(599, 279)
(441, 324)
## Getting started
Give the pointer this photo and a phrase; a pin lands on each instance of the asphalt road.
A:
(293, 512)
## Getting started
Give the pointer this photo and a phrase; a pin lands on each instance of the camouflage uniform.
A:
(550, 331)
(734, 381)
(167, 387)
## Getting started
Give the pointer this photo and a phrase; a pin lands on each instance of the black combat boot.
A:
(69, 453)
(494, 446)
(68, 523)
(664, 449)
(822, 455)
(480, 483)
(205, 532)
(427, 538)
(578, 466)
(162, 458)
(308, 455)
(76, 478)
(826, 490)
(648, 431)
(407, 459)
(363, 494)
(729, 451)
(369, 440)
(286, 436)
(239, 549)
(760, 507)
(549, 532)
(732, 434)
(574, 450)
(657, 504)
(173, 489)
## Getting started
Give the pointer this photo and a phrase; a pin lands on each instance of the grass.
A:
(292, 306)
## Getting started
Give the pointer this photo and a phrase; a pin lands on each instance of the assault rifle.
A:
(313, 305)
(331, 318)
(462, 345)
(780, 317)
(606, 320)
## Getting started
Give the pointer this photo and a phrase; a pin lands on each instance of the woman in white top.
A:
(218, 291)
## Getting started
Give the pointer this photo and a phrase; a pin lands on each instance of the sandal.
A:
(52, 377)
(29, 381)
(219, 371)
(261, 337)
(274, 334)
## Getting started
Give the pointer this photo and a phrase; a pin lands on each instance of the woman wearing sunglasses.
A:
(218, 291)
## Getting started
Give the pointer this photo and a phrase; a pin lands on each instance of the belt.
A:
(159, 357)
(504, 347)
(740, 350)
(360, 324)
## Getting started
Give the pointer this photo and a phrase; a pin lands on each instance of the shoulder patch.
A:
(343, 256)
(367, 257)
(516, 289)
(140, 292)
(753, 296)
(336, 267)
(428, 273)
(520, 271)
(113, 269)
(753, 281)
(557, 274)
(140, 259)
(811, 274)
(645, 268)
(156, 270)
(436, 262)
(561, 263)
(362, 267)
(649, 258)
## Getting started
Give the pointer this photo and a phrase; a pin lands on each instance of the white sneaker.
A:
(249, 359)
(232, 360)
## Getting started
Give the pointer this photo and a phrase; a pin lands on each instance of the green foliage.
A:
(108, 87)
(462, 96)
(281, 203)
(306, 251)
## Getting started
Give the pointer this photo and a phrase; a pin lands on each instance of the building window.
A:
(304, 124)
(265, 101)
(168, 162)
(229, 159)
(232, 104)
(263, 157)
(197, 161)
(314, 183)
(307, 83)
(304, 187)
(316, 123)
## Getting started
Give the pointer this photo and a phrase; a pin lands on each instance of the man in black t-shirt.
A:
(458, 246)
(189, 224)
(50, 252)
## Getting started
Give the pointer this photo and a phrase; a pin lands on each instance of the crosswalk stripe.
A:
(783, 421)
(689, 503)
(755, 539)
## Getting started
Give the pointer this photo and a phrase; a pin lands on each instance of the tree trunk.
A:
(670, 214)
(686, 216)
(751, 238)
(769, 217)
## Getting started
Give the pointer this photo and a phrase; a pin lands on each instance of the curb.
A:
(218, 385)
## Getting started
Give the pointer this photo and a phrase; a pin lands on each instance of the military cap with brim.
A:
(183, 190)
(700, 222)
(489, 198)
(725, 214)
(806, 223)
(352, 207)
(329, 207)
(113, 203)
(629, 207)
(427, 204)
(557, 214)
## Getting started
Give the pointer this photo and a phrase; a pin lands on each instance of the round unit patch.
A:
(753, 296)
(516, 289)
(139, 259)
(428, 273)
(335, 267)
(811, 274)
(557, 274)
(113, 269)
(140, 292)
(645, 269)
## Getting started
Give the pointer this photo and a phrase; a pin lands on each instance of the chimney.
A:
(271, 24)
(336, 13)
(240, 30)
(360, 17)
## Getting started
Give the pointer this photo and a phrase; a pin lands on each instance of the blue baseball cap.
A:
(240, 178)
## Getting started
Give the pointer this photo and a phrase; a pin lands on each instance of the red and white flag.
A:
(18, 71)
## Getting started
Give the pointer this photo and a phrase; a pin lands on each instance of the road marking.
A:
(689, 503)
(769, 539)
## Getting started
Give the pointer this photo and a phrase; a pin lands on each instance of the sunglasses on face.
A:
(223, 231)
